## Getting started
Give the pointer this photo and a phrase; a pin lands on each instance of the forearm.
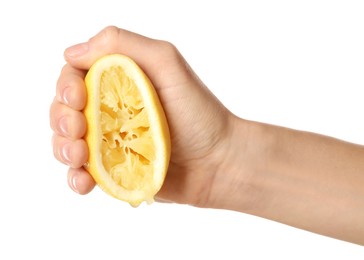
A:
(301, 179)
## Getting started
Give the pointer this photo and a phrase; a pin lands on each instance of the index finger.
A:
(71, 89)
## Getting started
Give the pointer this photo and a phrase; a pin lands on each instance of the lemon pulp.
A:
(127, 145)
(127, 132)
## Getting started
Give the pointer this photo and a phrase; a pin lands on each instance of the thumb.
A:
(112, 40)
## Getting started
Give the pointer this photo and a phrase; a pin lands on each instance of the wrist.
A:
(238, 179)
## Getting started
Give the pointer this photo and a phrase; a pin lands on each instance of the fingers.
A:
(72, 153)
(71, 90)
(80, 180)
(69, 125)
(66, 121)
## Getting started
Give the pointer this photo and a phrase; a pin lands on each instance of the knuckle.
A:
(167, 54)
(53, 114)
(65, 68)
(55, 148)
(108, 35)
(77, 125)
(82, 153)
(167, 48)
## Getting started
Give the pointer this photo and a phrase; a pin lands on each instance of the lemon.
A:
(127, 131)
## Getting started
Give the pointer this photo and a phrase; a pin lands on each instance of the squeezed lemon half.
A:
(127, 131)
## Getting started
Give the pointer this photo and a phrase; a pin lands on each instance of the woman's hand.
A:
(198, 122)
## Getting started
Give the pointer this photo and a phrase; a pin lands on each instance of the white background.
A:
(298, 64)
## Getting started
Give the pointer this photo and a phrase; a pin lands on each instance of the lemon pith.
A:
(128, 137)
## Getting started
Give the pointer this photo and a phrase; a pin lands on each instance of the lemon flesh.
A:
(128, 137)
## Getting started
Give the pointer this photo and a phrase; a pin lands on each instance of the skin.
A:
(221, 161)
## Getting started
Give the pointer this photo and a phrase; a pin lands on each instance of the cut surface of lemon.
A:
(127, 131)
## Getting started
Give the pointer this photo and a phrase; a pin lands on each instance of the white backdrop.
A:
(298, 64)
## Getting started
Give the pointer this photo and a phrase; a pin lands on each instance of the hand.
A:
(198, 122)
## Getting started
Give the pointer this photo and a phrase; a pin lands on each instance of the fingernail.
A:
(63, 125)
(66, 95)
(66, 153)
(72, 183)
(76, 50)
